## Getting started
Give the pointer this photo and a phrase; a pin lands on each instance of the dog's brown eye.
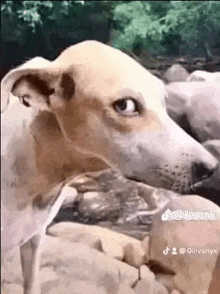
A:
(126, 106)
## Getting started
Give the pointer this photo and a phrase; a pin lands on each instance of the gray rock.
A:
(108, 198)
(176, 73)
(195, 107)
(202, 75)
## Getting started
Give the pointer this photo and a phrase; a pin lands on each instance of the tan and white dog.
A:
(91, 108)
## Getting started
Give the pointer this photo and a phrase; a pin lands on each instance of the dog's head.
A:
(108, 106)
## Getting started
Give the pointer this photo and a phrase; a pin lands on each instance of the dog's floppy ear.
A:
(34, 82)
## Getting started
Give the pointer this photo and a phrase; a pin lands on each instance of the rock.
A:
(99, 205)
(178, 101)
(202, 75)
(156, 73)
(199, 60)
(159, 288)
(164, 277)
(134, 255)
(123, 289)
(47, 275)
(113, 202)
(80, 267)
(182, 60)
(113, 248)
(195, 107)
(214, 285)
(75, 233)
(193, 268)
(213, 146)
(100, 181)
(175, 292)
(12, 288)
(147, 283)
(145, 273)
(103, 196)
(112, 243)
(74, 268)
(144, 286)
(176, 73)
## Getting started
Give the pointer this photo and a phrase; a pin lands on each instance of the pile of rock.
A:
(80, 259)
(108, 199)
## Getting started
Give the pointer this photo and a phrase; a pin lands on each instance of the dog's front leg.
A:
(29, 253)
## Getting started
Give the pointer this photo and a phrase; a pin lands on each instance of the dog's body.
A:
(91, 108)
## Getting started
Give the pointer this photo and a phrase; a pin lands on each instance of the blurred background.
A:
(156, 33)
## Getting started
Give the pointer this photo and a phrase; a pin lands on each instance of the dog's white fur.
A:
(74, 125)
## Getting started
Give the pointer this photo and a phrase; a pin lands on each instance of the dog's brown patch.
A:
(35, 82)
(38, 202)
(20, 164)
(68, 86)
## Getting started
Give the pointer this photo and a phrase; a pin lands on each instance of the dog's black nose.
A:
(202, 171)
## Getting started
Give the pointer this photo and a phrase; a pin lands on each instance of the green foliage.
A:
(150, 23)
(139, 22)
(195, 21)
(33, 13)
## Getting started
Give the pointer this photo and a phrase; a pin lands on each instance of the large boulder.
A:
(195, 106)
(202, 75)
(114, 244)
(74, 268)
(199, 267)
(176, 73)
(84, 259)
(187, 249)
(69, 265)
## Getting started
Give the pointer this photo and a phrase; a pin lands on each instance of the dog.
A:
(92, 108)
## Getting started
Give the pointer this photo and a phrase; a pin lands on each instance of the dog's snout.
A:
(202, 170)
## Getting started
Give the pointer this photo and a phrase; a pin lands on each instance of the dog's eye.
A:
(126, 106)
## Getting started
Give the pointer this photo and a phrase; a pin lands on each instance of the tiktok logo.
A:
(166, 251)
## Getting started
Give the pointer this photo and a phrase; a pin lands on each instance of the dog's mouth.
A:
(134, 179)
(200, 182)
(190, 189)
(195, 186)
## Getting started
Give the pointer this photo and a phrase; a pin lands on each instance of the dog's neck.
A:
(39, 158)
(53, 151)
